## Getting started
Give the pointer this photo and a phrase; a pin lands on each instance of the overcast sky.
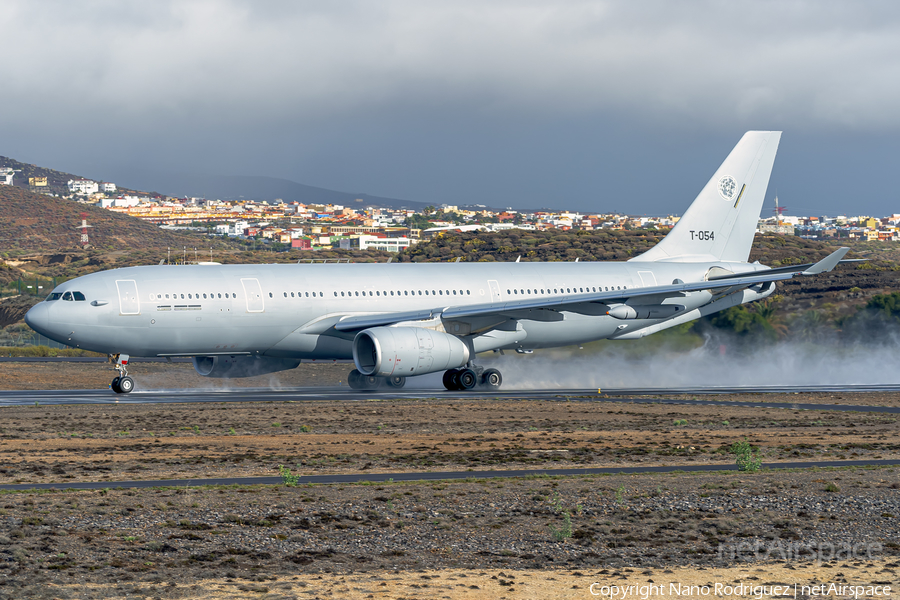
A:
(592, 106)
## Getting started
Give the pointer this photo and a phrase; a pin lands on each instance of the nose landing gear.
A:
(123, 384)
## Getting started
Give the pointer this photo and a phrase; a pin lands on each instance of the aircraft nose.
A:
(37, 318)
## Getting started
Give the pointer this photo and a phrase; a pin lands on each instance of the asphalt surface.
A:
(61, 397)
(436, 476)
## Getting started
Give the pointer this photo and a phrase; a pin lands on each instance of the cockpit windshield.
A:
(68, 296)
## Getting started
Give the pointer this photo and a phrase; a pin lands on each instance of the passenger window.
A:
(182, 296)
(335, 294)
(357, 293)
(441, 292)
(377, 293)
(516, 292)
(406, 293)
(508, 292)
(420, 292)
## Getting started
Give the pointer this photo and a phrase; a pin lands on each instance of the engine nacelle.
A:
(407, 351)
(241, 366)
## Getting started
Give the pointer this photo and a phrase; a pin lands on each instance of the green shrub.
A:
(745, 457)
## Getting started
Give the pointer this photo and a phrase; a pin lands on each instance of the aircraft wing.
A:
(830, 261)
(557, 303)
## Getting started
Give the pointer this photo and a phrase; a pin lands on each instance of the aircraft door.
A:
(254, 295)
(495, 290)
(129, 303)
(648, 279)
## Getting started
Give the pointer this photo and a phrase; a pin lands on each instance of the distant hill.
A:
(35, 222)
(236, 187)
(56, 180)
(226, 187)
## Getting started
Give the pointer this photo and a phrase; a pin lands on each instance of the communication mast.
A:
(779, 210)
(84, 231)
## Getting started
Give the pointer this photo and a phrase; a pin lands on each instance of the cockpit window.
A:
(79, 297)
(54, 296)
(67, 296)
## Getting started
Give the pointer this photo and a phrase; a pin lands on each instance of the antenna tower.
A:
(779, 210)
(84, 231)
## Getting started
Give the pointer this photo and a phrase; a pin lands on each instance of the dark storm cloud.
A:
(590, 105)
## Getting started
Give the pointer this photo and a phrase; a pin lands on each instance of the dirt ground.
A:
(513, 538)
(63, 375)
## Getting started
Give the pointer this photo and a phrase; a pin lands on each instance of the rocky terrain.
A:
(535, 537)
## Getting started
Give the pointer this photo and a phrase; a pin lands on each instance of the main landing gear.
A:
(470, 377)
(123, 384)
(358, 381)
(464, 379)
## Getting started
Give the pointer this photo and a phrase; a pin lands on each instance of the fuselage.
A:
(286, 310)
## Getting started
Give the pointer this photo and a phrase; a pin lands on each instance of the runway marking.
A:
(435, 476)
(62, 397)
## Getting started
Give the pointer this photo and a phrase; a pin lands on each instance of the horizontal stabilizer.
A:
(827, 263)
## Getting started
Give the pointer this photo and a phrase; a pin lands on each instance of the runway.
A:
(631, 396)
(437, 476)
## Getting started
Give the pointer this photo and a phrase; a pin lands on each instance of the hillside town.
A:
(296, 225)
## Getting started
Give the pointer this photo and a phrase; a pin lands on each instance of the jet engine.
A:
(241, 366)
(407, 351)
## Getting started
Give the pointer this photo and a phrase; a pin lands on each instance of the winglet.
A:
(827, 263)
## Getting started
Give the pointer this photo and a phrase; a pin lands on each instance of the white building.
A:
(120, 202)
(388, 244)
(232, 229)
(83, 186)
(6, 175)
(107, 187)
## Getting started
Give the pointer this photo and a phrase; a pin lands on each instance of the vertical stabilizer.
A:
(721, 222)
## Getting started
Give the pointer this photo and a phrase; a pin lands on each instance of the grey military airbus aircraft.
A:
(400, 320)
